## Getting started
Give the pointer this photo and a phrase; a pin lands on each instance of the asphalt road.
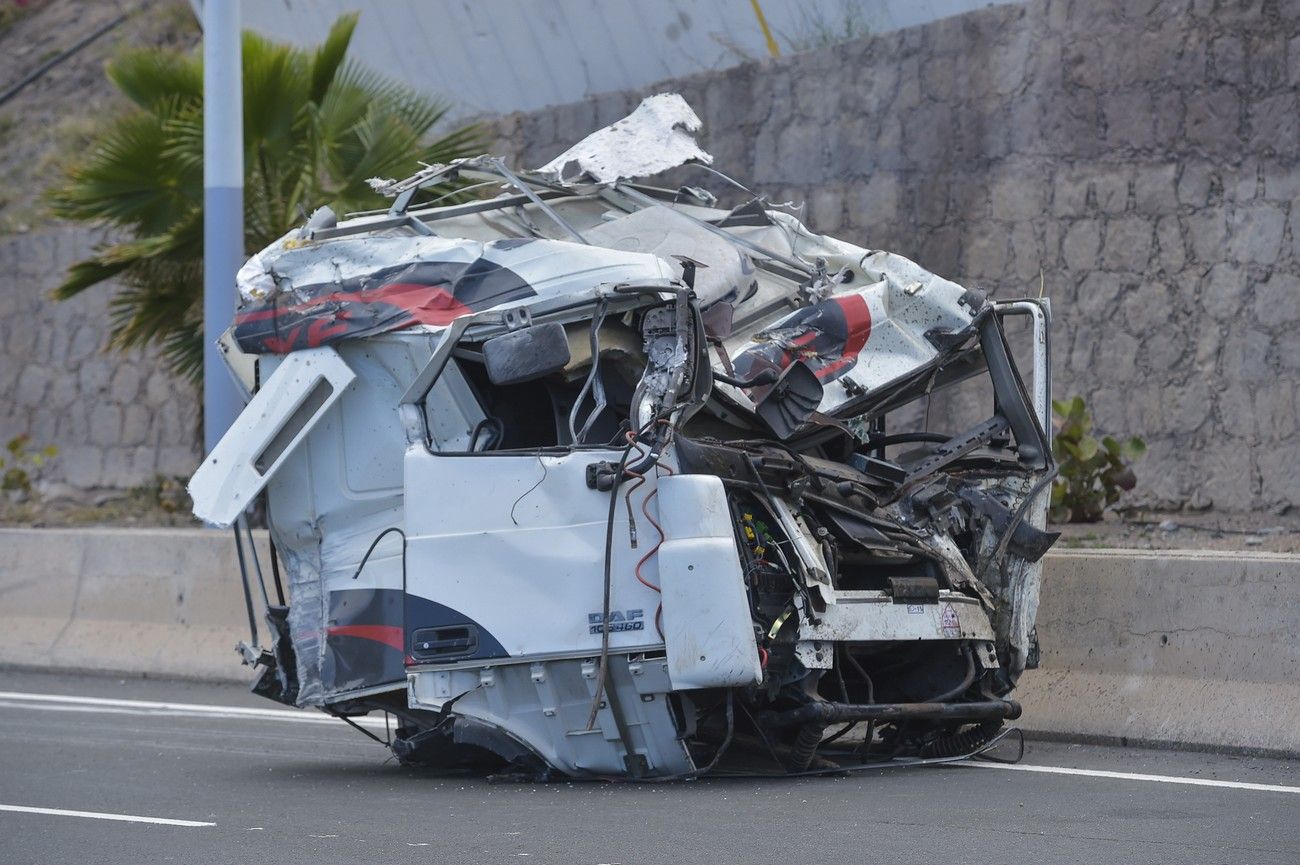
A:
(308, 789)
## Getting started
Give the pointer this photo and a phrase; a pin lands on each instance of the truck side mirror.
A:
(526, 354)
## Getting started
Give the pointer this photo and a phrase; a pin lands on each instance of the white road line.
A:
(20, 699)
(96, 815)
(1135, 776)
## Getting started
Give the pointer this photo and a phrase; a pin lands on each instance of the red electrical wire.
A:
(645, 509)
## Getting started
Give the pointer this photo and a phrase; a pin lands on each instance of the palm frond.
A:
(315, 127)
(147, 76)
(328, 58)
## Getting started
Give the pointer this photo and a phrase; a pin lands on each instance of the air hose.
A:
(962, 742)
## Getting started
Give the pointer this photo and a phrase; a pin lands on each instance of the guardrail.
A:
(1193, 648)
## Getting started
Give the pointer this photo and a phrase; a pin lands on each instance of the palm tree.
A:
(315, 127)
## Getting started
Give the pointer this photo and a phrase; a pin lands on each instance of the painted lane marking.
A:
(1136, 776)
(19, 699)
(97, 815)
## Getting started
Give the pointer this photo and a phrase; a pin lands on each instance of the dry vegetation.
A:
(54, 118)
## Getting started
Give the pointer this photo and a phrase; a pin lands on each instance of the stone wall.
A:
(1138, 159)
(1142, 156)
(117, 419)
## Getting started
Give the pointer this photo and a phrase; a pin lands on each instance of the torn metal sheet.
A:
(621, 481)
(655, 137)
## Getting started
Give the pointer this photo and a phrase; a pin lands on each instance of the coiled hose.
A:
(961, 742)
(805, 746)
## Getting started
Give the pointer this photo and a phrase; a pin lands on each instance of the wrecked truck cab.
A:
(602, 479)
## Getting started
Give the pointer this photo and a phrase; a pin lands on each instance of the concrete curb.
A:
(166, 602)
(1197, 648)
(1194, 648)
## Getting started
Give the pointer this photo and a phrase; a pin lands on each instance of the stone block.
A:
(1281, 179)
(1275, 125)
(930, 199)
(1098, 293)
(62, 391)
(1148, 308)
(1169, 239)
(32, 384)
(1255, 234)
(1208, 337)
(1244, 358)
(985, 255)
(1207, 235)
(1244, 183)
(1130, 120)
(1018, 194)
(1214, 121)
(1277, 300)
(105, 423)
(1155, 189)
(826, 209)
(877, 198)
(119, 470)
(22, 342)
(1197, 183)
(1224, 291)
(1279, 480)
(160, 388)
(801, 154)
(81, 465)
(928, 137)
(1109, 189)
(1286, 352)
(1010, 62)
(135, 425)
(94, 375)
(1163, 350)
(1229, 475)
(941, 251)
(1266, 60)
(1116, 362)
(1183, 409)
(125, 385)
(177, 460)
(1275, 412)
(1027, 258)
(1228, 59)
(1127, 245)
(1081, 244)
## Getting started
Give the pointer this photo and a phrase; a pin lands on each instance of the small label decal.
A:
(619, 620)
(949, 622)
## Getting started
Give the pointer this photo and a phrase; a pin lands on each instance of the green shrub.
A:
(1093, 471)
(19, 462)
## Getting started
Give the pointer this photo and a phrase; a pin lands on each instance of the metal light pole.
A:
(223, 206)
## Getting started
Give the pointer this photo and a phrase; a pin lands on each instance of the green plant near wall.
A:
(19, 462)
(1094, 472)
(315, 128)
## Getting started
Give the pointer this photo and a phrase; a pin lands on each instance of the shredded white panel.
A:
(657, 136)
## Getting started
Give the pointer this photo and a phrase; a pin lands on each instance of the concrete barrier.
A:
(156, 601)
(1196, 648)
(1184, 647)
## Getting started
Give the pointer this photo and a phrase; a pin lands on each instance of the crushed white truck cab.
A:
(604, 479)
